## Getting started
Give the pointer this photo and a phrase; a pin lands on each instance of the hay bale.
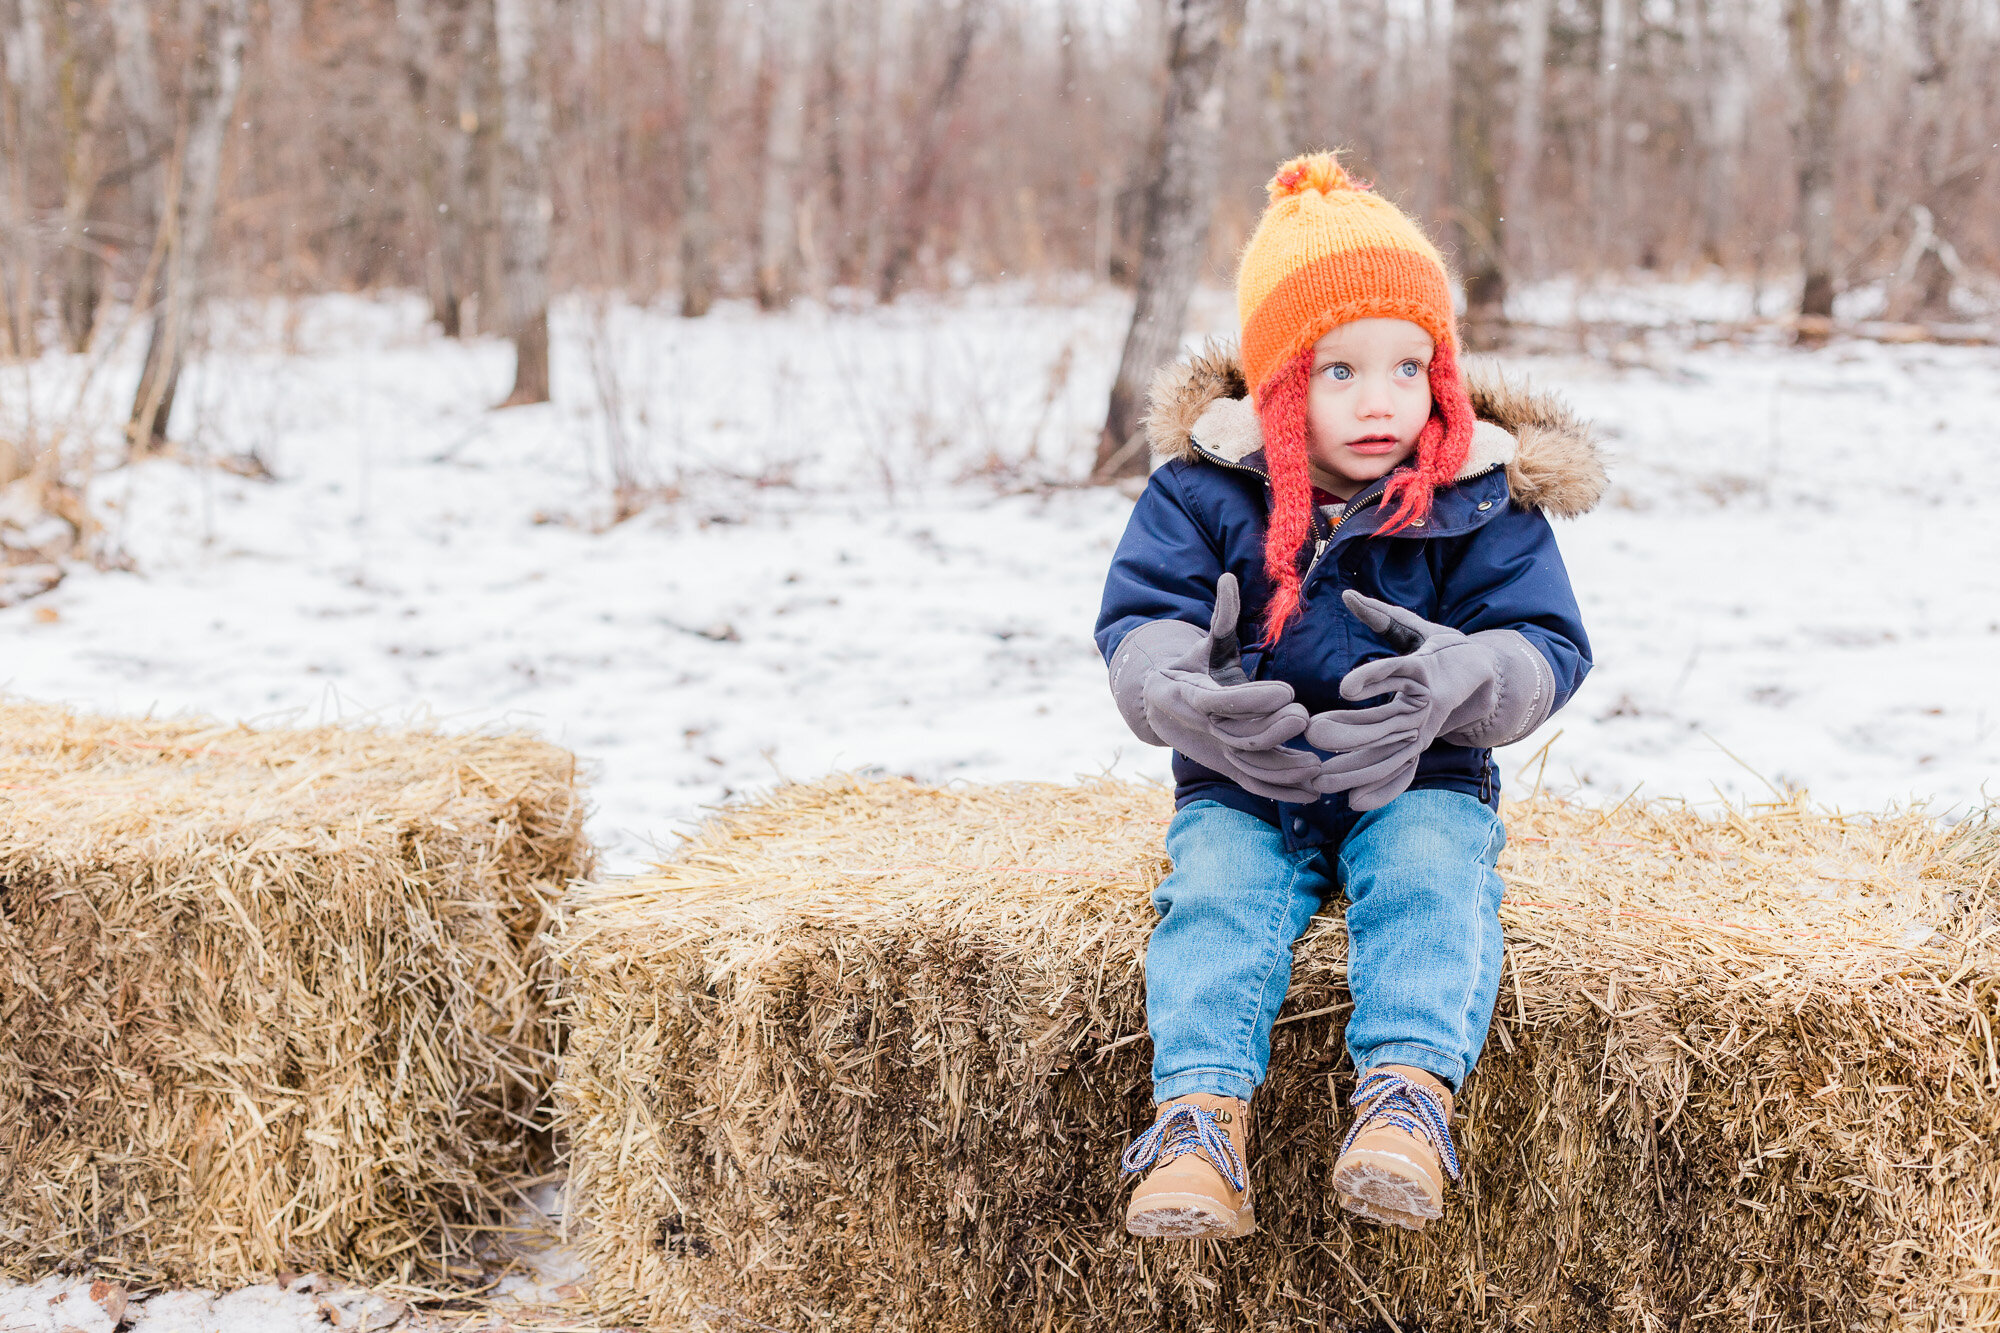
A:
(864, 1056)
(271, 999)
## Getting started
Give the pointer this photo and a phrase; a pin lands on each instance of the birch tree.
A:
(1607, 175)
(697, 218)
(790, 45)
(519, 28)
(1179, 199)
(1922, 285)
(1521, 186)
(1368, 75)
(417, 29)
(24, 93)
(81, 92)
(1477, 213)
(1289, 39)
(138, 86)
(214, 76)
(1718, 103)
(467, 227)
(1819, 63)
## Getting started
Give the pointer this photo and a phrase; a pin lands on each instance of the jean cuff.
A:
(1213, 1082)
(1447, 1069)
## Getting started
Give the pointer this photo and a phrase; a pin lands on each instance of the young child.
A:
(1403, 610)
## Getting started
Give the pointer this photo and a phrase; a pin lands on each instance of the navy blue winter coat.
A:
(1485, 558)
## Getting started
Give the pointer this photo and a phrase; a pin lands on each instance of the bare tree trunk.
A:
(30, 47)
(146, 126)
(1608, 175)
(927, 156)
(1520, 187)
(23, 99)
(519, 27)
(697, 218)
(467, 156)
(1288, 38)
(139, 89)
(1718, 102)
(784, 146)
(138, 77)
(84, 86)
(1477, 214)
(417, 27)
(1922, 286)
(1819, 63)
(819, 204)
(213, 79)
(848, 55)
(17, 262)
(1179, 201)
(1366, 67)
(80, 287)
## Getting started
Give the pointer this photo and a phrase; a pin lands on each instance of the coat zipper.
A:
(1353, 507)
(1365, 499)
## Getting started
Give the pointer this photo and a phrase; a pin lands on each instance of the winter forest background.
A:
(820, 329)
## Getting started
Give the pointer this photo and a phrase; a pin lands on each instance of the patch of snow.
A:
(307, 1305)
(59, 1304)
(1709, 297)
(871, 553)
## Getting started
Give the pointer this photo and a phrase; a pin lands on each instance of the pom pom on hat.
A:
(1320, 172)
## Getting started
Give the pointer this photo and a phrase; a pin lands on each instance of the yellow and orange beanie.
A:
(1327, 251)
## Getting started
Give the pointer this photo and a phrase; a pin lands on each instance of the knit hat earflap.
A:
(1329, 251)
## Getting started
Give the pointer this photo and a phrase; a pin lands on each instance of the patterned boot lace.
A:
(1186, 1128)
(1411, 1107)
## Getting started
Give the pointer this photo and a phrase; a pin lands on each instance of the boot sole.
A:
(1368, 1212)
(1379, 1187)
(1187, 1217)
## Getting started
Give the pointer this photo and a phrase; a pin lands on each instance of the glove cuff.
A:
(1144, 650)
(1522, 697)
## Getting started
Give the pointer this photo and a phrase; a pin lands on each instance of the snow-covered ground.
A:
(306, 1304)
(867, 550)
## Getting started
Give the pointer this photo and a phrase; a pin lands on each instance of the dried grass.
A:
(272, 999)
(863, 1056)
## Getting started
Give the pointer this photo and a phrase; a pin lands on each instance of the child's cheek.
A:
(1419, 414)
(1323, 415)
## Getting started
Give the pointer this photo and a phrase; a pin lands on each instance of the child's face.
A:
(1369, 400)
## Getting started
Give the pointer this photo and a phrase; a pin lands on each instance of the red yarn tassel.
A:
(1282, 411)
(1441, 448)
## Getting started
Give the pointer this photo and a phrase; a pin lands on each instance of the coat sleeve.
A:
(1509, 575)
(1166, 565)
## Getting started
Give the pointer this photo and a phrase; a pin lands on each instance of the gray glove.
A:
(1484, 689)
(1178, 686)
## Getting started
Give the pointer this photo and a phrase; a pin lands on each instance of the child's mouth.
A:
(1374, 445)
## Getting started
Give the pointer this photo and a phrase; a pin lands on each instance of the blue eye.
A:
(1339, 371)
(1410, 369)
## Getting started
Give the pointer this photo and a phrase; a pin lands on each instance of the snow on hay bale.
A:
(864, 1056)
(270, 999)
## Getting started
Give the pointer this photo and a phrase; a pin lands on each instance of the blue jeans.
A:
(1423, 947)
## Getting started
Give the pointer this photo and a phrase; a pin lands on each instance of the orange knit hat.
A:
(1326, 252)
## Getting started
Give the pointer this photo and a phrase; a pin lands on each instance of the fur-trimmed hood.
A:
(1550, 453)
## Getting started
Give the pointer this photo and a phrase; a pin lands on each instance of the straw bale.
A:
(271, 999)
(863, 1057)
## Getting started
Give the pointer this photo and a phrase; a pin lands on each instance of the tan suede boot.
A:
(1199, 1183)
(1398, 1155)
